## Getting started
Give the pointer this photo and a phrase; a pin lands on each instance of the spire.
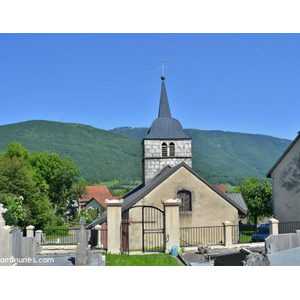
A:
(164, 108)
(165, 127)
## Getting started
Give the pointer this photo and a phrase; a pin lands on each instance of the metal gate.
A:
(143, 228)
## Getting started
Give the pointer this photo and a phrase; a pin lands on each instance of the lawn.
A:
(245, 236)
(141, 260)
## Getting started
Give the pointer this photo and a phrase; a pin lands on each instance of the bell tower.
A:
(166, 144)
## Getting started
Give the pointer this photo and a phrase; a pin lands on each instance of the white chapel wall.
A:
(286, 186)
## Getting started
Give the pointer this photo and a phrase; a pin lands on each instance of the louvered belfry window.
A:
(186, 200)
(172, 149)
(164, 150)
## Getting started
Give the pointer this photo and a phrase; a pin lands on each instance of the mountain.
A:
(227, 157)
(101, 155)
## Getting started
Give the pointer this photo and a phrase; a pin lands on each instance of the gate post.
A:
(171, 208)
(98, 228)
(227, 233)
(273, 226)
(30, 231)
(114, 218)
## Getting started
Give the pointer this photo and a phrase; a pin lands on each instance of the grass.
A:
(246, 236)
(141, 260)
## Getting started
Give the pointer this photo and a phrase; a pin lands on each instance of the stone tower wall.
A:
(154, 162)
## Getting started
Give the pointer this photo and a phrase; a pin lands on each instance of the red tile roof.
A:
(221, 188)
(98, 192)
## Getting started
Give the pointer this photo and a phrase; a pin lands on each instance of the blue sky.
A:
(238, 82)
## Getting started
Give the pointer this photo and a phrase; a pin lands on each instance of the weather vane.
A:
(162, 67)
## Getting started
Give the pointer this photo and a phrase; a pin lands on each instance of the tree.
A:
(16, 181)
(258, 197)
(15, 149)
(46, 183)
(61, 177)
(16, 210)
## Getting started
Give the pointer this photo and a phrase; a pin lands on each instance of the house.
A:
(285, 176)
(95, 197)
(168, 174)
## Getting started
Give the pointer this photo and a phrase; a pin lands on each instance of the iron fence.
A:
(57, 236)
(214, 235)
(194, 236)
(288, 227)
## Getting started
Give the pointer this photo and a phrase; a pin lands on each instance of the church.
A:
(168, 174)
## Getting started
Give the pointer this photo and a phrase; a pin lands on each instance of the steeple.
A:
(164, 108)
(166, 144)
(165, 127)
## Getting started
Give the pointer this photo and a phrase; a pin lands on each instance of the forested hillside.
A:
(227, 157)
(221, 157)
(99, 154)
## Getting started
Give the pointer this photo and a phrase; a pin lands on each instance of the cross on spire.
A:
(163, 69)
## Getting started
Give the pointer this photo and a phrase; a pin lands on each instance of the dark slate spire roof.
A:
(164, 108)
(165, 127)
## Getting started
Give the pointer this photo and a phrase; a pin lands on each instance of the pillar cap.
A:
(273, 221)
(227, 223)
(113, 202)
(171, 202)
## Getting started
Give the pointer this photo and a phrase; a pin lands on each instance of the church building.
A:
(168, 174)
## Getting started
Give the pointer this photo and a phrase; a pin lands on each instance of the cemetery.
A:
(19, 250)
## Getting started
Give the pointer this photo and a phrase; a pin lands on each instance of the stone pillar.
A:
(227, 233)
(273, 226)
(29, 247)
(30, 231)
(114, 218)
(99, 244)
(171, 207)
(39, 235)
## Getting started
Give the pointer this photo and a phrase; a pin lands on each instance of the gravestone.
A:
(82, 257)
(230, 259)
(14, 248)
(2, 210)
(16, 239)
(5, 241)
(256, 259)
(281, 242)
(290, 257)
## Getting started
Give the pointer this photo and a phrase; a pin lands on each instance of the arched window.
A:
(172, 149)
(186, 200)
(164, 150)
